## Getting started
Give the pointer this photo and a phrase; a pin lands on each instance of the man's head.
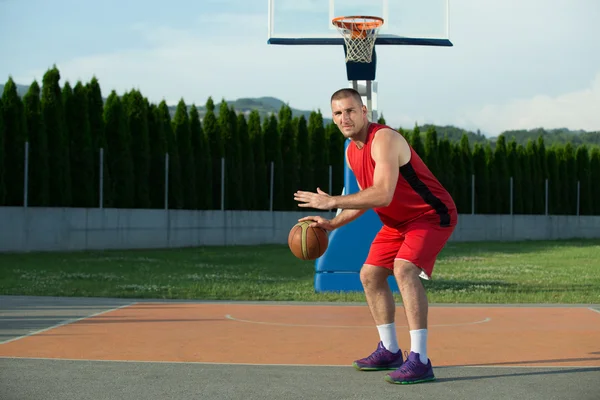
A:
(349, 112)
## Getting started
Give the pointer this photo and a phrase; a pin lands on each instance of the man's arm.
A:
(345, 217)
(385, 151)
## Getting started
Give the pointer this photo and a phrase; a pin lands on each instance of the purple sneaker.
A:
(412, 371)
(380, 359)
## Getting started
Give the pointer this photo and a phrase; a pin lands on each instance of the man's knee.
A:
(373, 276)
(404, 270)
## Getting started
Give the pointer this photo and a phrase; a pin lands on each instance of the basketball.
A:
(307, 243)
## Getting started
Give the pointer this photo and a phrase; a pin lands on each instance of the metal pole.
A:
(578, 196)
(272, 184)
(511, 195)
(473, 194)
(166, 181)
(101, 183)
(330, 180)
(26, 175)
(222, 183)
(546, 196)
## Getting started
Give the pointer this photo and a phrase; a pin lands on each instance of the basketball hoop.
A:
(359, 33)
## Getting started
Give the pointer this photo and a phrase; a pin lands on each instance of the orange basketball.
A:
(307, 243)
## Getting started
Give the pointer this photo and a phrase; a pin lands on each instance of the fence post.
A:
(26, 175)
(578, 196)
(473, 194)
(272, 184)
(101, 183)
(511, 195)
(222, 183)
(546, 196)
(166, 181)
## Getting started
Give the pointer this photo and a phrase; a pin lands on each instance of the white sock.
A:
(418, 343)
(387, 334)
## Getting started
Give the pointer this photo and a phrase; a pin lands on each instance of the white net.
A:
(359, 34)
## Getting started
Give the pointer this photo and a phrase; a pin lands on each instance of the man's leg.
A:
(415, 260)
(382, 307)
(381, 303)
(374, 278)
(416, 305)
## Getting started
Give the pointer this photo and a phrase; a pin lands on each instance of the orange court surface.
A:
(316, 335)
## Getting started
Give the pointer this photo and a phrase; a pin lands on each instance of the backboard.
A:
(406, 22)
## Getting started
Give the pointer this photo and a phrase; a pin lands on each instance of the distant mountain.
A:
(21, 89)
(264, 105)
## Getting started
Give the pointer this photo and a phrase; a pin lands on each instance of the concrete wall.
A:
(58, 229)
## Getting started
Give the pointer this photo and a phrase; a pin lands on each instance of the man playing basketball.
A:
(418, 217)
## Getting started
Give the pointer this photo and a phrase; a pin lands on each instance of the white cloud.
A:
(575, 110)
(190, 65)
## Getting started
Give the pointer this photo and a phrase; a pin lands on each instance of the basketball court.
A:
(90, 348)
(67, 348)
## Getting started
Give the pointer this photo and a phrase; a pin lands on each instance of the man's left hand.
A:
(319, 200)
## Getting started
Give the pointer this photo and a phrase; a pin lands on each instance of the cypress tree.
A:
(202, 161)
(183, 142)
(502, 182)
(537, 182)
(274, 160)
(318, 151)
(416, 142)
(215, 145)
(492, 188)
(97, 136)
(38, 147)
(432, 156)
(175, 189)
(445, 165)
(482, 182)
(2, 171)
(261, 180)
(459, 184)
(543, 173)
(118, 153)
(570, 184)
(595, 178)
(233, 158)
(554, 184)
(248, 172)
(467, 162)
(336, 158)
(289, 155)
(82, 154)
(305, 167)
(582, 159)
(58, 148)
(15, 132)
(514, 172)
(136, 109)
(158, 150)
(527, 179)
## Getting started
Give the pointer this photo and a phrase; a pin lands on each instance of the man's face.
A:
(349, 115)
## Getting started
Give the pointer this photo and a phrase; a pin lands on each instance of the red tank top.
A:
(418, 193)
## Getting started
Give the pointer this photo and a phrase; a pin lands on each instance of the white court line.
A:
(69, 321)
(593, 309)
(228, 316)
(280, 365)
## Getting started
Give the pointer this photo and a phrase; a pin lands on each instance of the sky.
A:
(515, 64)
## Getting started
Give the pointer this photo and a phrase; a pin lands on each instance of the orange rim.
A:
(358, 27)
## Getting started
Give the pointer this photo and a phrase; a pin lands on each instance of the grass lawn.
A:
(490, 272)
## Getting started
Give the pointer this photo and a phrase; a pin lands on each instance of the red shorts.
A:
(419, 242)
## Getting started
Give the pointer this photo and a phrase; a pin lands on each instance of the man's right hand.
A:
(318, 222)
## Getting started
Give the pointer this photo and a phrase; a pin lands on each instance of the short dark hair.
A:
(346, 92)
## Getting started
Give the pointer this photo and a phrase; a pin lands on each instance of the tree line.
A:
(75, 139)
